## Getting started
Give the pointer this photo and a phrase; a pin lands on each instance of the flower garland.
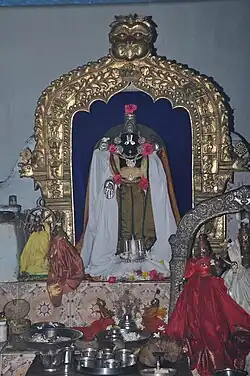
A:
(147, 149)
(139, 275)
(143, 182)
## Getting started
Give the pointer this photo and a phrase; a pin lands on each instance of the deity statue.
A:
(237, 278)
(208, 319)
(131, 209)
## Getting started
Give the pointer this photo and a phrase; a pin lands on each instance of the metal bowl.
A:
(111, 363)
(107, 356)
(52, 337)
(132, 360)
(141, 334)
(46, 325)
(158, 372)
(104, 354)
(115, 337)
(87, 362)
(89, 352)
(51, 361)
(123, 355)
(230, 372)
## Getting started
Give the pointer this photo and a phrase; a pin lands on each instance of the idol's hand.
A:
(109, 189)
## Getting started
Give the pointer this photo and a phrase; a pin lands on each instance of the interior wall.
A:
(40, 44)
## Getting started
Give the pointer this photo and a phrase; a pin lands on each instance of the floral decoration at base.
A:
(139, 275)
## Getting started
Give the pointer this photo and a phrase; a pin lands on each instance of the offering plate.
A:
(51, 344)
(50, 338)
(129, 338)
(106, 362)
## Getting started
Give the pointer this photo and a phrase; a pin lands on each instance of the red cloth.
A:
(206, 316)
(95, 327)
(66, 270)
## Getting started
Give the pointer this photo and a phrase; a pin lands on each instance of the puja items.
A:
(123, 338)
(106, 361)
(51, 345)
(230, 372)
(158, 371)
(16, 312)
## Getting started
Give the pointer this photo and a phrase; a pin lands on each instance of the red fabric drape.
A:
(66, 270)
(207, 317)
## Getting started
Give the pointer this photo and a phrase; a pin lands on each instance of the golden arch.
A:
(159, 78)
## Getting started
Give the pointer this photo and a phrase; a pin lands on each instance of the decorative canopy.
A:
(131, 64)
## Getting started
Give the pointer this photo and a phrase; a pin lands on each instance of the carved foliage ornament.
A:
(131, 61)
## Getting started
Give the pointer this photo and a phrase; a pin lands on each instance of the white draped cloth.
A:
(238, 283)
(101, 235)
(238, 280)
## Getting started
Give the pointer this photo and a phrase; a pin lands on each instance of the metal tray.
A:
(94, 363)
(128, 370)
(108, 337)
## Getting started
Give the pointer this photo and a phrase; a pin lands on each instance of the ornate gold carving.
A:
(156, 76)
(140, 32)
(54, 189)
(25, 163)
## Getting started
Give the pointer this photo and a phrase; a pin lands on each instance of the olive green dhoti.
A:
(135, 216)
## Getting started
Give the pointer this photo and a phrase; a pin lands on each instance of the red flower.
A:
(117, 179)
(144, 183)
(112, 280)
(153, 275)
(147, 149)
(112, 148)
(130, 108)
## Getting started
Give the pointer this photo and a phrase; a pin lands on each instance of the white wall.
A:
(37, 45)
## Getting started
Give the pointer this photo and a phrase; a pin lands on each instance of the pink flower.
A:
(153, 275)
(112, 279)
(112, 148)
(147, 149)
(117, 179)
(144, 183)
(130, 108)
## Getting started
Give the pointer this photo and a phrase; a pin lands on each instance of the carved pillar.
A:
(177, 266)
